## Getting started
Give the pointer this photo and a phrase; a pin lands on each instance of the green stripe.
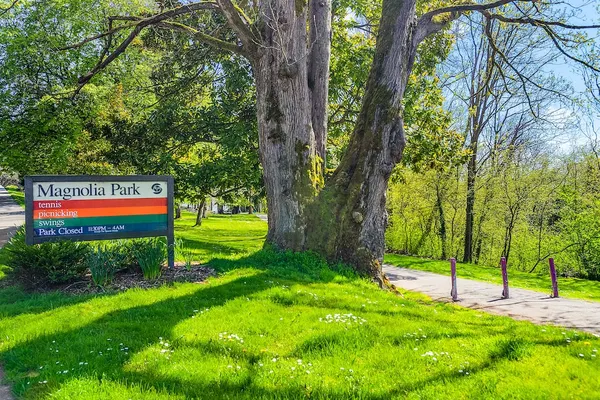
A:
(91, 221)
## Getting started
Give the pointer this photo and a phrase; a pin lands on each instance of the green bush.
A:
(104, 262)
(185, 252)
(150, 255)
(46, 263)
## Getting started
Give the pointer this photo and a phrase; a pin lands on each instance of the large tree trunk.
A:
(290, 78)
(348, 220)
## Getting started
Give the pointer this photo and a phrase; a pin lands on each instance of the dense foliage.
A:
(46, 263)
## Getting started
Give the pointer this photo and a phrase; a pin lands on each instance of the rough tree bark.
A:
(349, 217)
(200, 213)
(287, 142)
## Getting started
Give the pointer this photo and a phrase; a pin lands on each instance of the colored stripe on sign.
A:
(118, 220)
(108, 203)
(97, 212)
(99, 229)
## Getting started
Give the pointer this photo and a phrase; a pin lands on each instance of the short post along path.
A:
(523, 304)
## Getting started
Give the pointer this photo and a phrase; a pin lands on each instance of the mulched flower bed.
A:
(129, 279)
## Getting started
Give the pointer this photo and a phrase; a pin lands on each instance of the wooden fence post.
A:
(454, 292)
(553, 276)
(504, 278)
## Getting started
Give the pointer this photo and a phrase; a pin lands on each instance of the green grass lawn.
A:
(17, 194)
(568, 287)
(279, 326)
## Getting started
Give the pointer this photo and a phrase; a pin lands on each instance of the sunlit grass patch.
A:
(280, 326)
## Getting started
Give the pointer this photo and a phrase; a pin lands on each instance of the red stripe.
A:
(109, 203)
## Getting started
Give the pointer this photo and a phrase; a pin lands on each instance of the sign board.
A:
(88, 207)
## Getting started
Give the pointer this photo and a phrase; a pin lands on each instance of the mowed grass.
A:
(17, 194)
(280, 326)
(541, 282)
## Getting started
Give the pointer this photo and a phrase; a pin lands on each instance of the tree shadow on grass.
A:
(144, 323)
(14, 301)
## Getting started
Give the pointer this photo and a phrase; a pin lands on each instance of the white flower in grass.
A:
(580, 355)
(260, 364)
(274, 359)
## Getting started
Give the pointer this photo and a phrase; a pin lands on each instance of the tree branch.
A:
(137, 28)
(205, 38)
(239, 23)
(10, 7)
(427, 26)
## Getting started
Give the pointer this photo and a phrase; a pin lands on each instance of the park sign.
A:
(87, 207)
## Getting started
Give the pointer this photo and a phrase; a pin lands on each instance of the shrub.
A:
(104, 262)
(150, 255)
(185, 252)
(46, 263)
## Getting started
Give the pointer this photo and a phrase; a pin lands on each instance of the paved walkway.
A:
(11, 217)
(523, 304)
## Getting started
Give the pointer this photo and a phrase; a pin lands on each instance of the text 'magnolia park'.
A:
(85, 207)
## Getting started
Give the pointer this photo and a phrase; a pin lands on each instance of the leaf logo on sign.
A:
(157, 188)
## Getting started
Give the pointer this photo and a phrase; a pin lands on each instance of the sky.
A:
(588, 14)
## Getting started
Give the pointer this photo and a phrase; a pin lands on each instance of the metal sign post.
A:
(87, 207)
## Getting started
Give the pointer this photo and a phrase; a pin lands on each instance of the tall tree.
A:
(288, 46)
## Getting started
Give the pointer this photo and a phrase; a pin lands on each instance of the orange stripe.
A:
(103, 203)
(97, 212)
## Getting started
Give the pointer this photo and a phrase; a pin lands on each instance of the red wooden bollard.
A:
(504, 278)
(553, 276)
(454, 291)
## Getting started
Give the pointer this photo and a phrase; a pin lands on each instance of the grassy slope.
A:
(568, 287)
(17, 195)
(173, 342)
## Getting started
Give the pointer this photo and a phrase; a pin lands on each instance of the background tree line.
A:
(527, 188)
(480, 110)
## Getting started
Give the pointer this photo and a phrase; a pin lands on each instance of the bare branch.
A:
(109, 32)
(7, 9)
(137, 28)
(538, 22)
(462, 8)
